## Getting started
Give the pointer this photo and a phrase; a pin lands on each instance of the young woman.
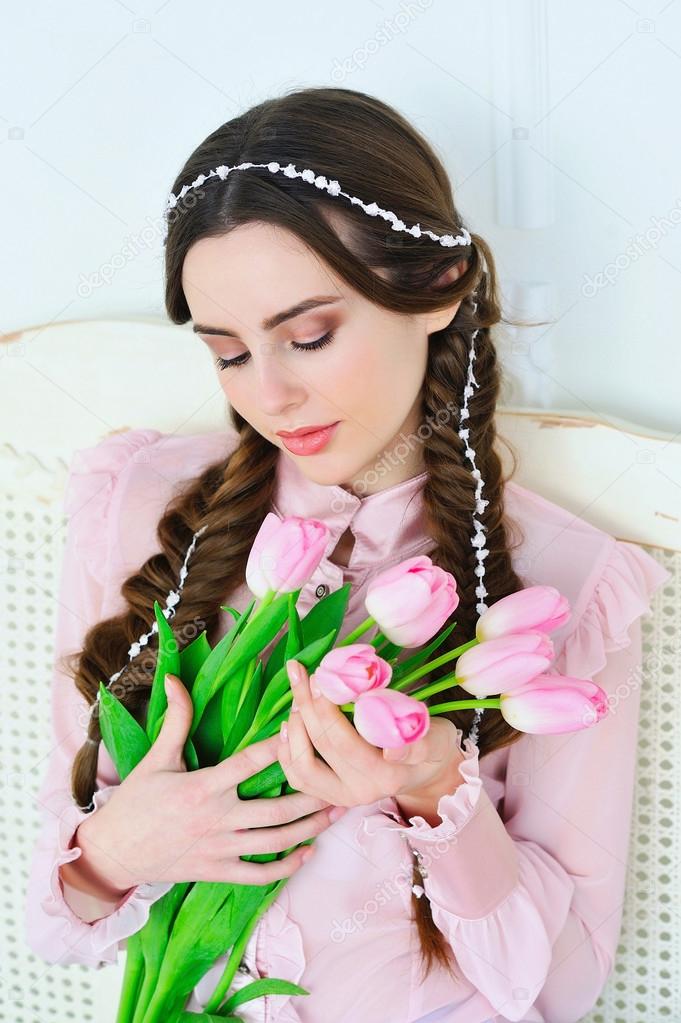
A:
(478, 880)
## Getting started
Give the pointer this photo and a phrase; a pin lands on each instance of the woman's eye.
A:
(313, 346)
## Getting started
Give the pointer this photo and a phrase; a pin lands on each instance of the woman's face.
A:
(367, 376)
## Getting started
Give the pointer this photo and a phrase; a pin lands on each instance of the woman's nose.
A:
(278, 385)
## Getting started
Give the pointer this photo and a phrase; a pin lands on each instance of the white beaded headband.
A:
(332, 187)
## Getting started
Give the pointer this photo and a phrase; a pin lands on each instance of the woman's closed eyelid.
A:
(310, 346)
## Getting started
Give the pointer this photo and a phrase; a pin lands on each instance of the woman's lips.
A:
(310, 443)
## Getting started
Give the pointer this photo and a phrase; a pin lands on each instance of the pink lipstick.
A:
(308, 440)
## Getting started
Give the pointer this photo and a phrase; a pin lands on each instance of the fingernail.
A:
(306, 855)
(314, 689)
(168, 689)
(337, 812)
(396, 753)
(294, 707)
(294, 673)
(283, 731)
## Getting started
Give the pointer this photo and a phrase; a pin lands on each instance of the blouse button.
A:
(321, 591)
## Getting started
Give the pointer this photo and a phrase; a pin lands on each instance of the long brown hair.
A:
(375, 154)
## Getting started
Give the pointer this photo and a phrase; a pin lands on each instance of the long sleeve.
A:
(531, 900)
(53, 930)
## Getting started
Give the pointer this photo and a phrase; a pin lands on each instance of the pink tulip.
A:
(411, 601)
(389, 718)
(285, 553)
(348, 671)
(552, 704)
(500, 665)
(542, 608)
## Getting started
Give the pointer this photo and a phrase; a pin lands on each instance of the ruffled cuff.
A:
(94, 943)
(622, 594)
(468, 862)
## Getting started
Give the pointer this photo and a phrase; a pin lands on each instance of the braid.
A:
(228, 499)
(449, 502)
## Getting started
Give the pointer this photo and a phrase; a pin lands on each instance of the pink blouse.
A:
(525, 873)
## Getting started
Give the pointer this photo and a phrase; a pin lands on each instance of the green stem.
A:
(443, 708)
(359, 631)
(443, 659)
(145, 995)
(267, 599)
(240, 944)
(132, 979)
(257, 724)
(448, 682)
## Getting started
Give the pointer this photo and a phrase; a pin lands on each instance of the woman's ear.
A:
(441, 318)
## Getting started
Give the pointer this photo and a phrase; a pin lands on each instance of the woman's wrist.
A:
(424, 802)
(86, 874)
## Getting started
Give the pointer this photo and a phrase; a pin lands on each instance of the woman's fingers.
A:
(329, 730)
(270, 840)
(303, 768)
(241, 872)
(266, 812)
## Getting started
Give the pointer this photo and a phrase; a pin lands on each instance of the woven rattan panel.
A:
(645, 984)
(33, 991)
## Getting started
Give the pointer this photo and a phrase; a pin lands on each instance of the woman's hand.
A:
(353, 771)
(164, 823)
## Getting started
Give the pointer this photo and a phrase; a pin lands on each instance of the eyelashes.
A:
(313, 346)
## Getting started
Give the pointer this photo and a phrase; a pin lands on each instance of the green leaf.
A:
(191, 659)
(389, 651)
(233, 611)
(325, 615)
(167, 661)
(294, 636)
(258, 784)
(264, 986)
(208, 738)
(204, 688)
(190, 756)
(260, 632)
(205, 1017)
(309, 657)
(153, 940)
(234, 728)
(125, 740)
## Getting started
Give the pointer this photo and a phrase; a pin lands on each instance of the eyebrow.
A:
(270, 322)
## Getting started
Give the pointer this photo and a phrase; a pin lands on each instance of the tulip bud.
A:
(552, 704)
(412, 600)
(348, 671)
(543, 608)
(285, 553)
(500, 665)
(389, 718)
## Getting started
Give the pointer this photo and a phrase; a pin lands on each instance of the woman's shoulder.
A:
(117, 490)
(608, 582)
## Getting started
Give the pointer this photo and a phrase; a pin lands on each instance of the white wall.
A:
(557, 124)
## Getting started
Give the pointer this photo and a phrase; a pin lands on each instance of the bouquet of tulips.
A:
(241, 697)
